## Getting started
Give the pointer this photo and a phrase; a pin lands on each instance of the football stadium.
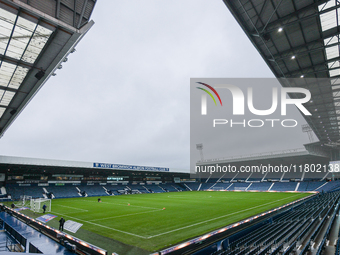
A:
(277, 202)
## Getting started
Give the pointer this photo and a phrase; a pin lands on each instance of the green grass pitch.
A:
(140, 220)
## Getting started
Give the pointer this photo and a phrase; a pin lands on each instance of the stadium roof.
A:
(300, 39)
(310, 153)
(24, 161)
(314, 156)
(286, 154)
(35, 38)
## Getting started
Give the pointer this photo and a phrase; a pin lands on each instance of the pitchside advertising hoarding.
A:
(232, 118)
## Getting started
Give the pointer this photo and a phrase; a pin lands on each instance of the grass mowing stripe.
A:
(126, 215)
(73, 208)
(198, 223)
(121, 231)
(124, 204)
(186, 197)
(157, 229)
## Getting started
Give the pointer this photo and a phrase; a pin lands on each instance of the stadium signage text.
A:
(128, 167)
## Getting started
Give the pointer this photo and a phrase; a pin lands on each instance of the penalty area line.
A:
(223, 216)
(114, 229)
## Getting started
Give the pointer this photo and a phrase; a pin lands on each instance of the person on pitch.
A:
(61, 224)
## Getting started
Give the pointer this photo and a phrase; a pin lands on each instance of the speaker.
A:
(40, 74)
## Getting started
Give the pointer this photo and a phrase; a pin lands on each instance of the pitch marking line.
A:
(195, 224)
(72, 208)
(174, 230)
(114, 229)
(126, 215)
(124, 204)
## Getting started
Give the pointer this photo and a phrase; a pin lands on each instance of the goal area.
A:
(38, 203)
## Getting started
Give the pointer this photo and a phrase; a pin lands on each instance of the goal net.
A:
(38, 203)
(23, 201)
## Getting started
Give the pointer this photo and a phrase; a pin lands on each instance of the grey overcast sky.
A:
(123, 96)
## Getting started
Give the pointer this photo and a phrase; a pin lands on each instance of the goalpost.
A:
(38, 203)
(23, 201)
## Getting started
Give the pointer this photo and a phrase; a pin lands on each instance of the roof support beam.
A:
(14, 61)
(57, 9)
(82, 14)
(281, 21)
(305, 48)
(265, 26)
(323, 65)
(8, 89)
(294, 52)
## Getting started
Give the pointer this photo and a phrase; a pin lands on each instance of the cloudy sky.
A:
(123, 96)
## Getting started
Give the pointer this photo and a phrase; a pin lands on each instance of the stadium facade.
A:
(21, 172)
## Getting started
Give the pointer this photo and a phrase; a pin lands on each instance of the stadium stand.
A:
(154, 188)
(243, 176)
(16, 191)
(170, 187)
(252, 178)
(328, 186)
(68, 191)
(284, 186)
(63, 191)
(260, 186)
(294, 229)
(206, 186)
(226, 179)
(221, 185)
(239, 186)
(192, 185)
(140, 188)
(95, 190)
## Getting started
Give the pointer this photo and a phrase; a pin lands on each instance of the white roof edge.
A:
(181, 170)
(43, 162)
